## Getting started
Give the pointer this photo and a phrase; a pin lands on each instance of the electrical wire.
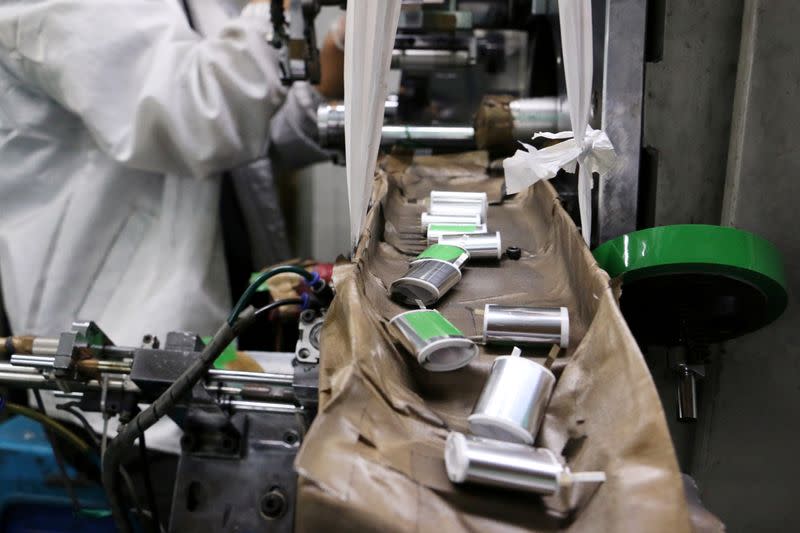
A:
(241, 320)
(264, 276)
(161, 406)
(62, 467)
(276, 304)
(148, 483)
(70, 437)
(72, 408)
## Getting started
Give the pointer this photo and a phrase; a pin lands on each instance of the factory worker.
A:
(116, 119)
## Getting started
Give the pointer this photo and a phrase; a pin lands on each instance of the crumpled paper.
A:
(591, 149)
(369, 40)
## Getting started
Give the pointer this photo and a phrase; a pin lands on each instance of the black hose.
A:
(148, 484)
(160, 407)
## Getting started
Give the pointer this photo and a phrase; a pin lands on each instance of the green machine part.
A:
(741, 271)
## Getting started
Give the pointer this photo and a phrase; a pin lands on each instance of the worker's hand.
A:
(331, 57)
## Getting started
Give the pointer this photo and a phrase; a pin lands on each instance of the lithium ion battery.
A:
(510, 466)
(437, 344)
(479, 245)
(513, 400)
(426, 219)
(525, 326)
(437, 230)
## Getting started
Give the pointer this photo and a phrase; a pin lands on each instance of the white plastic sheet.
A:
(371, 28)
(589, 148)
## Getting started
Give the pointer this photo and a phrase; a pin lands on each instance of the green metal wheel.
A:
(695, 282)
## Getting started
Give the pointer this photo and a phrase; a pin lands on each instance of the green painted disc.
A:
(718, 282)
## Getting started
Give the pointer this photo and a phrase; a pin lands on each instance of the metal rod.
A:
(34, 361)
(432, 136)
(234, 376)
(245, 405)
(13, 369)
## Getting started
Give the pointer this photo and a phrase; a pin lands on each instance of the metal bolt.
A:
(308, 316)
(304, 353)
(291, 437)
(273, 504)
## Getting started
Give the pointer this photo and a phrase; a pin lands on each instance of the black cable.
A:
(148, 483)
(160, 407)
(72, 408)
(62, 467)
(276, 304)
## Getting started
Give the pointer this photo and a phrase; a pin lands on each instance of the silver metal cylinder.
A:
(458, 203)
(534, 115)
(45, 346)
(268, 407)
(437, 344)
(502, 464)
(234, 376)
(458, 209)
(427, 219)
(430, 136)
(479, 246)
(528, 326)
(513, 400)
(426, 280)
(437, 230)
(429, 59)
(33, 361)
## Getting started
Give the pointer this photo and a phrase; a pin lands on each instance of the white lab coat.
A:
(115, 120)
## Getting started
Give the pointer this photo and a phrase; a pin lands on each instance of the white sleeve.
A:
(153, 93)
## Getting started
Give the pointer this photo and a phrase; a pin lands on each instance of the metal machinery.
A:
(692, 285)
(234, 423)
(452, 54)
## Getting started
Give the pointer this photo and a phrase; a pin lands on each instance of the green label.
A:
(443, 252)
(431, 324)
(466, 228)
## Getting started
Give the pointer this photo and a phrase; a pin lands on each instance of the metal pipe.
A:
(104, 366)
(430, 136)
(34, 361)
(13, 369)
(118, 367)
(271, 407)
(530, 116)
(45, 346)
(429, 59)
(234, 376)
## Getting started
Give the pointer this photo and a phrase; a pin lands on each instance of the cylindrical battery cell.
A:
(456, 203)
(513, 400)
(426, 280)
(426, 219)
(525, 326)
(479, 246)
(437, 230)
(437, 344)
(455, 255)
(458, 209)
(502, 464)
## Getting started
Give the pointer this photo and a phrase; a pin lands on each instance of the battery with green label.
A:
(451, 253)
(437, 344)
(437, 230)
(434, 272)
(426, 219)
